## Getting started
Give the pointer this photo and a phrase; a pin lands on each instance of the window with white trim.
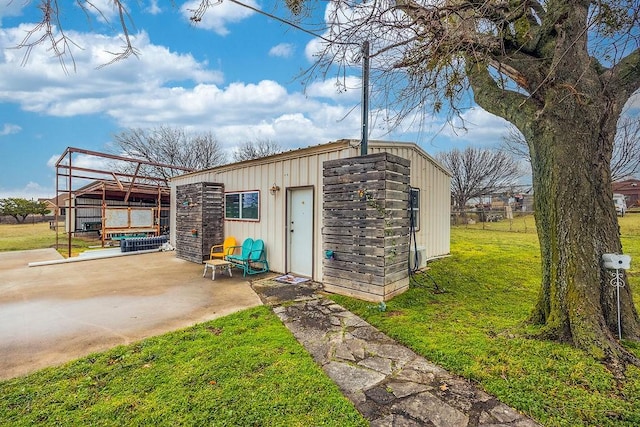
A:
(243, 205)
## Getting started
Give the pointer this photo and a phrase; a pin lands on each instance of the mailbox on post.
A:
(617, 262)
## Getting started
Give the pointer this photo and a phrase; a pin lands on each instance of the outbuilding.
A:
(284, 199)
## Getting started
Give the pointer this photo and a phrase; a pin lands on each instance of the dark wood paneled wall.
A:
(366, 226)
(199, 207)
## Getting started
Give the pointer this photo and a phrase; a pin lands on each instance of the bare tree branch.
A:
(479, 172)
(625, 161)
(171, 146)
(515, 144)
(256, 150)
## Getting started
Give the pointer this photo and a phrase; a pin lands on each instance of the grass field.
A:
(246, 369)
(20, 237)
(477, 328)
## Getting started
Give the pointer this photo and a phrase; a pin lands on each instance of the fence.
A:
(494, 219)
(30, 219)
(142, 243)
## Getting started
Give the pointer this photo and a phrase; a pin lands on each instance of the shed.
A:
(279, 199)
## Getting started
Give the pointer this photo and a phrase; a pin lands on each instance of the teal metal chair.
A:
(245, 250)
(252, 258)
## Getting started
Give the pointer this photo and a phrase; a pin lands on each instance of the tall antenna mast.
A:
(365, 99)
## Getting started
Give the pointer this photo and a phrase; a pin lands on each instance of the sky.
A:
(236, 74)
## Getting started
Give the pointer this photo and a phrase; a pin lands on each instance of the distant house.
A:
(56, 204)
(281, 196)
(631, 190)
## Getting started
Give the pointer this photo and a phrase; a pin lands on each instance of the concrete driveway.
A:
(51, 314)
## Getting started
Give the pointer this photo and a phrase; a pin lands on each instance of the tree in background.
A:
(171, 146)
(40, 208)
(479, 172)
(625, 161)
(20, 209)
(256, 150)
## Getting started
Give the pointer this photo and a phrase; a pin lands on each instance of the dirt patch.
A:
(275, 293)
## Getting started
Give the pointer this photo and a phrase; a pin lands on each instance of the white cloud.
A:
(344, 19)
(11, 8)
(338, 89)
(31, 190)
(102, 9)
(9, 129)
(51, 163)
(166, 88)
(239, 112)
(154, 8)
(282, 50)
(44, 87)
(219, 15)
(290, 130)
(313, 49)
(633, 103)
(482, 128)
(81, 161)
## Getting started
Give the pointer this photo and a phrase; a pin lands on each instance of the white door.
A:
(300, 231)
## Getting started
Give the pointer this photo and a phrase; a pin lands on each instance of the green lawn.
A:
(245, 369)
(20, 237)
(477, 329)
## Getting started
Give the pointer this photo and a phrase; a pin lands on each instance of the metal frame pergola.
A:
(82, 172)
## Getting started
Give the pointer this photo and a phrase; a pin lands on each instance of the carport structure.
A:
(111, 194)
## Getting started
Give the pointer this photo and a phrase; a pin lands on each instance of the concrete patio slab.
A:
(50, 314)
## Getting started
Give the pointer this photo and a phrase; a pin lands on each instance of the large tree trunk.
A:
(577, 223)
(569, 122)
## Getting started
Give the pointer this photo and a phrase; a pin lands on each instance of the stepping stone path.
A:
(388, 383)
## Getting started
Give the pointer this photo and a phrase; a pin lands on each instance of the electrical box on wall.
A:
(421, 260)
